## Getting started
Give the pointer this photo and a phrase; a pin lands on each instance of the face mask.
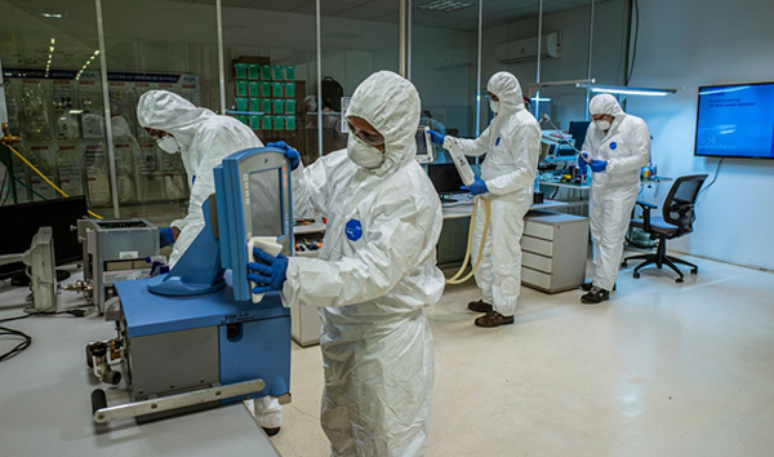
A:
(495, 106)
(364, 155)
(603, 125)
(168, 144)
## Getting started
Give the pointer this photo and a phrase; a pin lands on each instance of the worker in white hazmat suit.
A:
(617, 146)
(203, 139)
(512, 148)
(375, 275)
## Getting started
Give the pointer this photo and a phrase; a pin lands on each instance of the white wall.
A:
(696, 42)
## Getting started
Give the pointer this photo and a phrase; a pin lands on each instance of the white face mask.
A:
(495, 106)
(603, 125)
(169, 145)
(363, 154)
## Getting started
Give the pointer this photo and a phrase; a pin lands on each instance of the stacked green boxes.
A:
(266, 89)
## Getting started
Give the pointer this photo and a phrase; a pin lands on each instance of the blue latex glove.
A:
(269, 271)
(477, 188)
(598, 165)
(290, 153)
(166, 237)
(436, 137)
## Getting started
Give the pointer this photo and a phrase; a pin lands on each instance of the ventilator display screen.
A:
(736, 121)
(266, 202)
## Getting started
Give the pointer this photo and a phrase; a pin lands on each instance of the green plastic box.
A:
(278, 73)
(290, 90)
(279, 106)
(253, 71)
(277, 90)
(290, 74)
(279, 122)
(266, 106)
(290, 107)
(266, 122)
(243, 119)
(266, 72)
(265, 90)
(241, 104)
(241, 89)
(255, 122)
(255, 88)
(290, 122)
(255, 104)
(241, 70)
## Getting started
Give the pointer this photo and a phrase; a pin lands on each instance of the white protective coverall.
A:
(626, 148)
(127, 152)
(375, 275)
(205, 139)
(512, 148)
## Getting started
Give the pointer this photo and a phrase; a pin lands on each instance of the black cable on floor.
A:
(5, 331)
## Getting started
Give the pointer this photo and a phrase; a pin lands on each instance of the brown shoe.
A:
(479, 306)
(271, 431)
(493, 319)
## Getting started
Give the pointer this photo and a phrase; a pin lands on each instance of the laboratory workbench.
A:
(45, 396)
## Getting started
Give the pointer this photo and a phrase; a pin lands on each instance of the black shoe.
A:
(595, 296)
(271, 431)
(588, 285)
(480, 306)
(493, 319)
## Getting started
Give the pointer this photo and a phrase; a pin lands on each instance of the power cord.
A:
(714, 178)
(21, 347)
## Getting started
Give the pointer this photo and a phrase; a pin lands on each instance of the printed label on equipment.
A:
(111, 277)
(128, 254)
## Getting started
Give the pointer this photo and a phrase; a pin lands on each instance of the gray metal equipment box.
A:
(115, 250)
(554, 249)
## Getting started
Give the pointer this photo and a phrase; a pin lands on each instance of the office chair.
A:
(677, 220)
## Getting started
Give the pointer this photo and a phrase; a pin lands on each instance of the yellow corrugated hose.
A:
(29, 164)
(456, 278)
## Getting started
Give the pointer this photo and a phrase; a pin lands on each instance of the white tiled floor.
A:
(664, 369)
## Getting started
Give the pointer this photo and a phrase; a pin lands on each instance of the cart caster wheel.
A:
(98, 400)
(89, 358)
(679, 280)
(636, 275)
(114, 378)
(624, 264)
(694, 271)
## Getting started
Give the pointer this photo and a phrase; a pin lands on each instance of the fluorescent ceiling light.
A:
(540, 99)
(444, 6)
(53, 41)
(625, 90)
(51, 15)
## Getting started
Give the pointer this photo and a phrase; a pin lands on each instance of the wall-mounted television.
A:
(736, 121)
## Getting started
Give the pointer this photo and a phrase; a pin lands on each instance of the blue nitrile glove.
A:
(598, 165)
(477, 188)
(436, 137)
(166, 237)
(290, 153)
(269, 271)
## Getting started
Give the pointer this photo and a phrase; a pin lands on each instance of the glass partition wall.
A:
(283, 68)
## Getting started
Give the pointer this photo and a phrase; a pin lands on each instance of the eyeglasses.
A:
(371, 139)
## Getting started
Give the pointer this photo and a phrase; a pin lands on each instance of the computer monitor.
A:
(21, 222)
(445, 178)
(578, 131)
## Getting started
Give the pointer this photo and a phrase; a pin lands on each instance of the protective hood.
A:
(120, 127)
(171, 113)
(508, 90)
(391, 104)
(605, 104)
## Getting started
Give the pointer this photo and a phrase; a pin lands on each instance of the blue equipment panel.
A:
(259, 350)
(254, 199)
(147, 313)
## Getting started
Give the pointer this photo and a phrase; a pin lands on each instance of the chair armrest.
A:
(646, 205)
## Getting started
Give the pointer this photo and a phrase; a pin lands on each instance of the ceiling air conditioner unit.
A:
(521, 51)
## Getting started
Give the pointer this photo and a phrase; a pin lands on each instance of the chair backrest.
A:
(679, 204)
